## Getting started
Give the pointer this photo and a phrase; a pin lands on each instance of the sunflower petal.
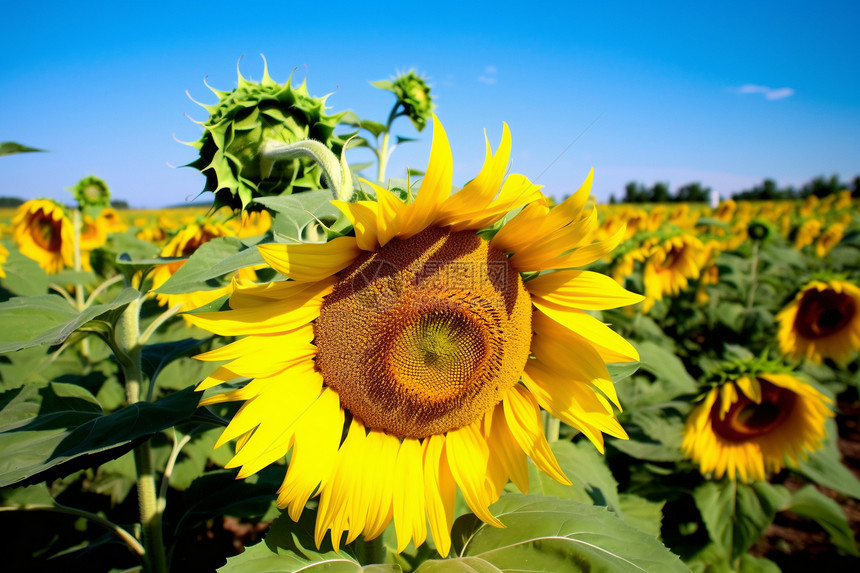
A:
(364, 218)
(409, 498)
(440, 492)
(523, 418)
(308, 262)
(435, 187)
(611, 346)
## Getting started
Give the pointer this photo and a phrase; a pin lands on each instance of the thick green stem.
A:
(127, 348)
(551, 426)
(370, 552)
(78, 225)
(383, 155)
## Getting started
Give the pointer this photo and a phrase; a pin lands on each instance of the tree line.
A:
(767, 190)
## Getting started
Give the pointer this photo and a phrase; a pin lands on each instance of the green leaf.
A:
(289, 547)
(10, 148)
(24, 276)
(154, 357)
(551, 534)
(736, 514)
(811, 503)
(295, 212)
(592, 482)
(49, 319)
(213, 260)
(672, 378)
(458, 565)
(641, 513)
(217, 493)
(50, 430)
(655, 434)
(825, 467)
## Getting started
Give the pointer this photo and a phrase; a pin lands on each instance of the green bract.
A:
(243, 121)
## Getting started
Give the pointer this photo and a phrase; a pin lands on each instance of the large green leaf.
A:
(289, 547)
(825, 467)
(551, 534)
(671, 378)
(49, 319)
(592, 482)
(736, 514)
(211, 261)
(24, 276)
(297, 214)
(50, 430)
(655, 434)
(811, 503)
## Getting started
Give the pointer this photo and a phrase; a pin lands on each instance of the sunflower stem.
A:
(126, 345)
(753, 276)
(383, 155)
(78, 225)
(551, 426)
(370, 552)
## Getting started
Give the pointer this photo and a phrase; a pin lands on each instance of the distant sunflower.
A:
(752, 425)
(111, 221)
(829, 239)
(422, 343)
(670, 265)
(823, 321)
(3, 255)
(44, 233)
(93, 236)
(183, 244)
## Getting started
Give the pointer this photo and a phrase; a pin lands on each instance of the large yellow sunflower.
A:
(414, 357)
(752, 425)
(44, 233)
(4, 254)
(823, 321)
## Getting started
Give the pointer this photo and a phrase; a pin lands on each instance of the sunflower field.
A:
(329, 369)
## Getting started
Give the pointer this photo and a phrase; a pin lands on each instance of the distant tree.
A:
(659, 193)
(822, 186)
(612, 199)
(119, 204)
(855, 186)
(10, 201)
(693, 193)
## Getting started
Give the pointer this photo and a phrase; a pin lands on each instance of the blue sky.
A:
(725, 93)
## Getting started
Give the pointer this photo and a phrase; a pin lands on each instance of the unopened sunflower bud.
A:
(413, 94)
(247, 121)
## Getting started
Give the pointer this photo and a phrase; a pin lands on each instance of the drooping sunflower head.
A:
(754, 424)
(412, 358)
(823, 321)
(45, 234)
(413, 94)
(239, 126)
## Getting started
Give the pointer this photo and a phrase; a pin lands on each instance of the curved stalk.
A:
(127, 537)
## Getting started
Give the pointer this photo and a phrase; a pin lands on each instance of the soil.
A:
(798, 544)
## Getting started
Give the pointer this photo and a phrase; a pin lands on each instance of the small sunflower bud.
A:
(92, 194)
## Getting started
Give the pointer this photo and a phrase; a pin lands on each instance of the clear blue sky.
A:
(725, 93)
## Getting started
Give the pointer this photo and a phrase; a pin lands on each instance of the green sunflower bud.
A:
(758, 230)
(249, 120)
(413, 94)
(92, 194)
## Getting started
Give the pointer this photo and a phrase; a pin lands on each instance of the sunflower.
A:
(823, 321)
(3, 255)
(670, 265)
(751, 425)
(413, 358)
(93, 236)
(183, 244)
(44, 233)
(111, 221)
(829, 239)
(805, 234)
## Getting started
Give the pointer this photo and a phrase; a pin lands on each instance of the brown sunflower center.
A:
(746, 419)
(823, 312)
(426, 334)
(46, 232)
